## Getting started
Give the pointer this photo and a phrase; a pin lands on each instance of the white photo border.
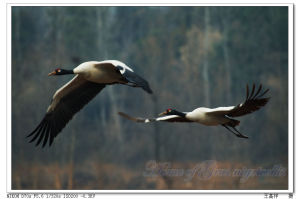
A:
(290, 99)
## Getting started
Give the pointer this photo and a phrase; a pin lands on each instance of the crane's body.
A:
(90, 78)
(213, 116)
(201, 116)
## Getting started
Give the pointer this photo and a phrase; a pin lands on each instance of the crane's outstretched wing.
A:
(66, 102)
(253, 102)
(168, 118)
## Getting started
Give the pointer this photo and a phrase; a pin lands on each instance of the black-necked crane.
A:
(90, 78)
(213, 117)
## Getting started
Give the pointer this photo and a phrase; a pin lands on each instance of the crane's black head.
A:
(59, 71)
(170, 111)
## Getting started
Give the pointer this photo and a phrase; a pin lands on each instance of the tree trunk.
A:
(156, 133)
(114, 116)
(205, 69)
(226, 60)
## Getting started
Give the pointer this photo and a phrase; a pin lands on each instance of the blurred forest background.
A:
(191, 56)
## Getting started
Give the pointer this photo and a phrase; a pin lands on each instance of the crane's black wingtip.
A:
(145, 86)
(125, 115)
(41, 133)
(148, 90)
(265, 101)
(140, 120)
(121, 113)
(243, 136)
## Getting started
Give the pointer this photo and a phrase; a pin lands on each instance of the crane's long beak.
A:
(163, 113)
(52, 73)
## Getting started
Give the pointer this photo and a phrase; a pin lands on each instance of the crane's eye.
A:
(58, 70)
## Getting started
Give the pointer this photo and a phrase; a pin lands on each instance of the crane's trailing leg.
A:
(229, 129)
(237, 133)
(240, 134)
